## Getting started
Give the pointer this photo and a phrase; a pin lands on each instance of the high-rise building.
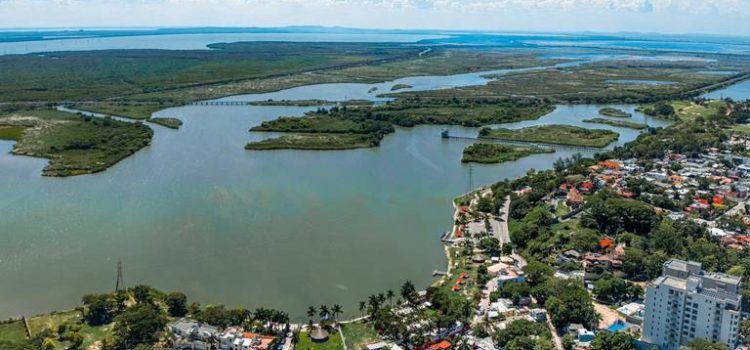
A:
(687, 303)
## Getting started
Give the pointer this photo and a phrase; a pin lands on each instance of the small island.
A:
(400, 87)
(554, 134)
(172, 123)
(490, 153)
(74, 144)
(617, 123)
(321, 142)
(614, 112)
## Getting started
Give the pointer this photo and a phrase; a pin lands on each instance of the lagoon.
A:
(196, 212)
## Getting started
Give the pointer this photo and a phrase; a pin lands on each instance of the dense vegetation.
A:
(554, 134)
(614, 112)
(596, 83)
(317, 142)
(132, 319)
(172, 123)
(116, 73)
(495, 153)
(617, 123)
(376, 121)
(75, 144)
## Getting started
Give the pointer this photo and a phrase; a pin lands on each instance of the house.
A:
(192, 329)
(574, 198)
(236, 339)
(570, 256)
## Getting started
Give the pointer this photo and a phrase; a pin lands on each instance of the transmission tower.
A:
(471, 179)
(120, 284)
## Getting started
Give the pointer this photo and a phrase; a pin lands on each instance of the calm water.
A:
(739, 91)
(193, 41)
(196, 212)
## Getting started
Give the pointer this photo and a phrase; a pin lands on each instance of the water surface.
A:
(196, 212)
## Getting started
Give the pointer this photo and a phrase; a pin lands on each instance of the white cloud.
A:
(721, 16)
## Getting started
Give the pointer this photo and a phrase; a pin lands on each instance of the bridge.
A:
(219, 103)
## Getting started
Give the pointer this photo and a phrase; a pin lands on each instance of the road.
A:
(500, 228)
(555, 337)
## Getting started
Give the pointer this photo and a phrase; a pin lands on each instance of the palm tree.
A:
(408, 290)
(311, 312)
(324, 312)
(336, 311)
(362, 307)
(381, 298)
(390, 295)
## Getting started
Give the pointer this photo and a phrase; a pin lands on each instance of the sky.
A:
(664, 16)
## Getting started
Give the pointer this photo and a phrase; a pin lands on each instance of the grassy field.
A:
(597, 82)
(127, 110)
(172, 123)
(617, 123)
(75, 145)
(614, 112)
(495, 153)
(334, 343)
(11, 133)
(12, 332)
(689, 110)
(358, 335)
(316, 142)
(73, 320)
(554, 134)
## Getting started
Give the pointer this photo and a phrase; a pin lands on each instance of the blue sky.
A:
(666, 16)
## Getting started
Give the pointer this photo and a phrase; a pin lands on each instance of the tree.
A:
(142, 294)
(612, 341)
(140, 324)
(515, 291)
(700, 344)
(99, 309)
(311, 312)
(362, 307)
(177, 304)
(390, 295)
(537, 272)
(409, 292)
(336, 310)
(323, 312)
(612, 289)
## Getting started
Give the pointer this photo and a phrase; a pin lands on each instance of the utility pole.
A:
(120, 284)
(471, 179)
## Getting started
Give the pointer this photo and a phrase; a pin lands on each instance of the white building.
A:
(686, 303)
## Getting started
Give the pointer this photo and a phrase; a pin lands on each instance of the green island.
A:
(614, 112)
(617, 123)
(172, 123)
(376, 121)
(495, 153)
(400, 87)
(321, 141)
(554, 134)
(74, 144)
